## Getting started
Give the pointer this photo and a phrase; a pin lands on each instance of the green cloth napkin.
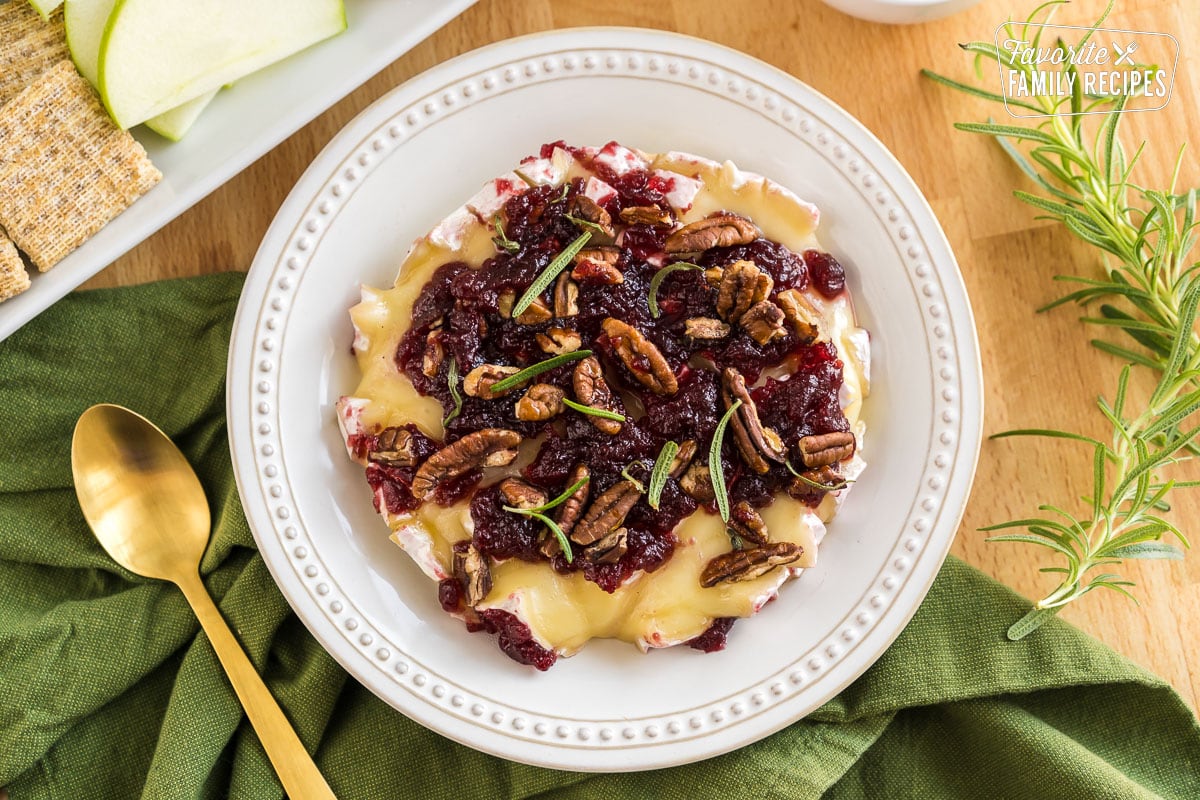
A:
(109, 690)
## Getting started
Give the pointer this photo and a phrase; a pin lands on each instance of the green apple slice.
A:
(159, 54)
(178, 121)
(85, 21)
(45, 7)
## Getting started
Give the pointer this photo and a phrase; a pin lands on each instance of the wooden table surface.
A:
(1038, 369)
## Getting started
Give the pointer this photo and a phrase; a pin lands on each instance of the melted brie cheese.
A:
(657, 609)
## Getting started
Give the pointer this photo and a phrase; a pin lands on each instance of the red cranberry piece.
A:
(450, 595)
(827, 274)
(516, 640)
(393, 487)
(715, 637)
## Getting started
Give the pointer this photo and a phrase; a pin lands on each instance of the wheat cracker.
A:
(13, 277)
(65, 168)
(29, 45)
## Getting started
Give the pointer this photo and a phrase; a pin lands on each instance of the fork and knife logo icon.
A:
(1124, 54)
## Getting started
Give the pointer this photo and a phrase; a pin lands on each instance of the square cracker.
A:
(65, 168)
(29, 46)
(13, 277)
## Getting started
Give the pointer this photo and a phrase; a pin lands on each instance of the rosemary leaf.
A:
(562, 498)
(517, 378)
(452, 381)
(660, 473)
(593, 412)
(822, 487)
(585, 224)
(563, 542)
(1030, 623)
(501, 239)
(627, 475)
(657, 280)
(543, 281)
(715, 470)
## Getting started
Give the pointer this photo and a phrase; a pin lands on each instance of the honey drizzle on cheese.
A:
(656, 609)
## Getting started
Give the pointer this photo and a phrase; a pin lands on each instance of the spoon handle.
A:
(296, 770)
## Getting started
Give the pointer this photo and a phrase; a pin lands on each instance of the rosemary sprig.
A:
(537, 513)
(594, 412)
(551, 271)
(715, 470)
(1148, 290)
(533, 370)
(660, 473)
(657, 281)
(501, 239)
(452, 381)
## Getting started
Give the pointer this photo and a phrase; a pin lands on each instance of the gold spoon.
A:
(147, 508)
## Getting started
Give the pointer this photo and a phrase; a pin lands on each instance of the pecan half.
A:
(479, 381)
(566, 296)
(572, 508)
(592, 390)
(606, 513)
(557, 341)
(683, 458)
(473, 574)
(609, 549)
(540, 402)
(826, 448)
(394, 448)
(746, 565)
(799, 312)
(742, 285)
(585, 208)
(536, 312)
(748, 523)
(569, 511)
(490, 447)
(697, 483)
(646, 215)
(431, 362)
(598, 265)
(721, 230)
(756, 442)
(764, 322)
(705, 328)
(639, 354)
(519, 494)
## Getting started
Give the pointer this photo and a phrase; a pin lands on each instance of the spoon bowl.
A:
(138, 493)
(149, 512)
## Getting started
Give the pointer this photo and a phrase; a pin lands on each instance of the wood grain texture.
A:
(1038, 368)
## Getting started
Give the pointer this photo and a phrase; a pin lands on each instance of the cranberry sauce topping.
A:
(457, 320)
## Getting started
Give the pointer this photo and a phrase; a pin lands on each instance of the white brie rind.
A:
(651, 610)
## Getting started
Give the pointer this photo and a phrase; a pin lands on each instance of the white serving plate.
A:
(238, 127)
(417, 154)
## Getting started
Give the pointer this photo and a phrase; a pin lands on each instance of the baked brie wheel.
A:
(616, 394)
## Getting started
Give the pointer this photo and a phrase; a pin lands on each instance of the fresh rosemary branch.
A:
(1148, 290)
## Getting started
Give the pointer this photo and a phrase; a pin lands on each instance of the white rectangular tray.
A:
(239, 126)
